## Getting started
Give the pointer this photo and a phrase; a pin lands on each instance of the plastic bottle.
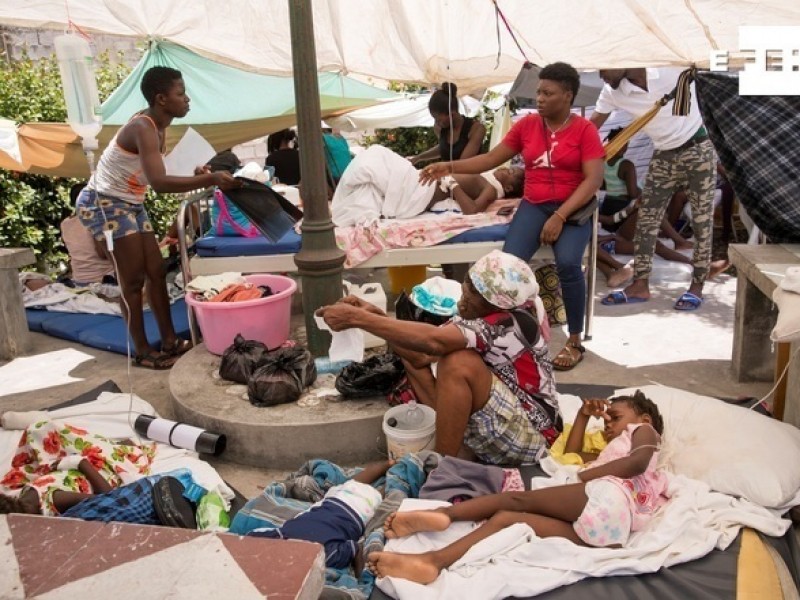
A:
(413, 417)
(76, 64)
(326, 365)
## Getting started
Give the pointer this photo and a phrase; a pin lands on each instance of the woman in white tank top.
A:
(112, 202)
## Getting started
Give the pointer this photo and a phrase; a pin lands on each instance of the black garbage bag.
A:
(376, 376)
(281, 377)
(406, 310)
(241, 358)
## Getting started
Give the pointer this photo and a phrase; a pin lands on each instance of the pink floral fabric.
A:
(360, 243)
(647, 492)
(44, 444)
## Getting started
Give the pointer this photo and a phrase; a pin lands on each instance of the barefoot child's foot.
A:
(414, 567)
(401, 524)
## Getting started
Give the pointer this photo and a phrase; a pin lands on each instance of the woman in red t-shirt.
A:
(563, 170)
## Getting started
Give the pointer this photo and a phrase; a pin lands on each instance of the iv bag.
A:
(76, 64)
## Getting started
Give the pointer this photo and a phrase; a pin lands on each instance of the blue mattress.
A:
(105, 332)
(211, 246)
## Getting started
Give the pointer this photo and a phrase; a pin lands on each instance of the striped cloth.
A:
(756, 140)
(286, 499)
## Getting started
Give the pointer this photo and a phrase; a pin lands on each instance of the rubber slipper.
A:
(620, 297)
(688, 302)
(155, 361)
(178, 348)
(172, 508)
(609, 246)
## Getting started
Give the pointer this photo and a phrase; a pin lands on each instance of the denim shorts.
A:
(100, 213)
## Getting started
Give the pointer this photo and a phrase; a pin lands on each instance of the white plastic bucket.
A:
(402, 438)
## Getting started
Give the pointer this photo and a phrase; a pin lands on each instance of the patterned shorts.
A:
(606, 519)
(99, 213)
(501, 432)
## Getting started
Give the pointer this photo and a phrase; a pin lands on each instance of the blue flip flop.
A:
(689, 300)
(620, 297)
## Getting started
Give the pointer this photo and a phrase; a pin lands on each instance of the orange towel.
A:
(237, 292)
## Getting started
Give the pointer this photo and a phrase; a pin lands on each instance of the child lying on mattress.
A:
(62, 470)
(380, 183)
(153, 500)
(614, 496)
(338, 521)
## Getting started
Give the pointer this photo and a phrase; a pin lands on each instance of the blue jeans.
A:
(523, 241)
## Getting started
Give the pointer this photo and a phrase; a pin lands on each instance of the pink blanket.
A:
(360, 243)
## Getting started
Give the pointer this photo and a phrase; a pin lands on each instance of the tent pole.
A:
(319, 261)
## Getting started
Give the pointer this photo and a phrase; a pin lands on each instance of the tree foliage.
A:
(33, 206)
(408, 141)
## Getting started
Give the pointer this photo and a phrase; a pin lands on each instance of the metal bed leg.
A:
(183, 247)
(591, 269)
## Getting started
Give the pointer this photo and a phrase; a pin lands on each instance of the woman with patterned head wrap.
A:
(494, 392)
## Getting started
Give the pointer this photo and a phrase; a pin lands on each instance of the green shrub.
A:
(33, 206)
(409, 141)
(405, 141)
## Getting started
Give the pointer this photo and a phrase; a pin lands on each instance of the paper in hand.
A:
(190, 152)
(345, 345)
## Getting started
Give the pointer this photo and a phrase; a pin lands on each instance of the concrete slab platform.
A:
(141, 561)
(284, 436)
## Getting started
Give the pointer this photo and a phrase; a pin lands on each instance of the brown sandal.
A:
(180, 347)
(154, 360)
(568, 357)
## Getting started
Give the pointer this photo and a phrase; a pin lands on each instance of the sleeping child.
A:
(380, 183)
(337, 521)
(615, 495)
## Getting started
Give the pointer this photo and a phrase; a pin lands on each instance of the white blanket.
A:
(379, 182)
(514, 562)
(59, 298)
(109, 416)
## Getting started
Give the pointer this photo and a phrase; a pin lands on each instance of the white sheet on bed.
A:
(57, 297)
(109, 416)
(379, 182)
(514, 562)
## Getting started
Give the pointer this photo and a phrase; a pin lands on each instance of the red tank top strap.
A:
(162, 143)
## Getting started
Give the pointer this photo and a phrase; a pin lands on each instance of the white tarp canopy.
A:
(425, 40)
(408, 112)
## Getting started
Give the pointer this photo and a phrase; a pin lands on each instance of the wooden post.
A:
(13, 324)
(782, 355)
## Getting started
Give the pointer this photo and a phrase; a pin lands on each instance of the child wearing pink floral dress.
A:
(615, 495)
(48, 459)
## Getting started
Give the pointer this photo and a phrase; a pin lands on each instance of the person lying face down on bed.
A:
(379, 183)
(615, 495)
(338, 521)
(494, 391)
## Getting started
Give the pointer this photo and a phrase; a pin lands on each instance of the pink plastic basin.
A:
(265, 319)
